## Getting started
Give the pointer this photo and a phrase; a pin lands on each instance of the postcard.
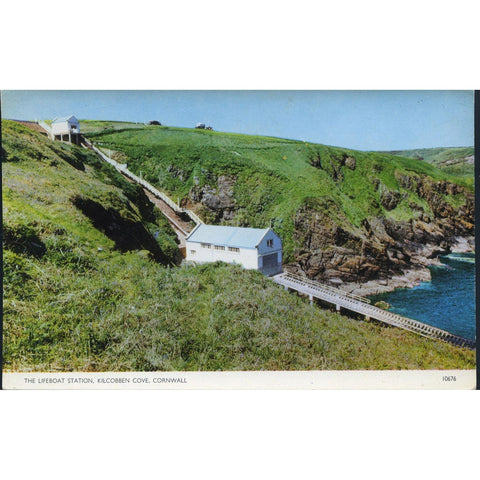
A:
(238, 239)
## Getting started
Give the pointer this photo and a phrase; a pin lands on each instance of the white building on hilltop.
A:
(253, 248)
(66, 129)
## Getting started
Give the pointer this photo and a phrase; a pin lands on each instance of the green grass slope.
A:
(96, 125)
(51, 188)
(273, 178)
(457, 161)
(436, 156)
(90, 292)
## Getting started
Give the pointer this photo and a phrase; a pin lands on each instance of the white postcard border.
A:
(252, 380)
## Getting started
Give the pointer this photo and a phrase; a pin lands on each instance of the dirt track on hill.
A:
(33, 126)
(180, 226)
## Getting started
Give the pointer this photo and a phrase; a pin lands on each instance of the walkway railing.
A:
(335, 291)
(123, 169)
(193, 216)
(340, 299)
(46, 127)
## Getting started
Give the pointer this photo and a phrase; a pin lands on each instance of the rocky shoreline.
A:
(383, 253)
(409, 278)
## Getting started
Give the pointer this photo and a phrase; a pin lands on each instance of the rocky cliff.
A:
(383, 248)
(379, 254)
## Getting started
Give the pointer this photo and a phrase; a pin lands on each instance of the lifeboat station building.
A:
(253, 248)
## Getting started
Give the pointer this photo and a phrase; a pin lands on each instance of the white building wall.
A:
(65, 127)
(59, 128)
(247, 257)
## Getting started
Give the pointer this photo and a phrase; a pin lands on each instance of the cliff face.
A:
(330, 249)
(217, 199)
(333, 251)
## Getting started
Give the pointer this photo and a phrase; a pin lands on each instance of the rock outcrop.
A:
(332, 250)
(218, 199)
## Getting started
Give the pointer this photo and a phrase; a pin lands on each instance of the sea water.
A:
(446, 302)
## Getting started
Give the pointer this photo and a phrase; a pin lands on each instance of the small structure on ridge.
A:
(253, 248)
(66, 129)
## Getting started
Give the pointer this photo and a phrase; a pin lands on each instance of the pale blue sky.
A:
(364, 120)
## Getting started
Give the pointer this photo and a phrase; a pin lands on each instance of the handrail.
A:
(46, 127)
(328, 287)
(193, 216)
(123, 169)
(347, 301)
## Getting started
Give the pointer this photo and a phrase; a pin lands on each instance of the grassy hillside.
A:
(86, 288)
(457, 161)
(52, 188)
(96, 125)
(436, 156)
(273, 178)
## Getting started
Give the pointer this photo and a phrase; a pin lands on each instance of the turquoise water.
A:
(447, 302)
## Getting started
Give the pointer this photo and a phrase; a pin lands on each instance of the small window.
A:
(233, 249)
(219, 247)
(270, 243)
(206, 245)
(193, 252)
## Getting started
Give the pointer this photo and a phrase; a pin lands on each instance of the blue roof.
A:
(227, 236)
